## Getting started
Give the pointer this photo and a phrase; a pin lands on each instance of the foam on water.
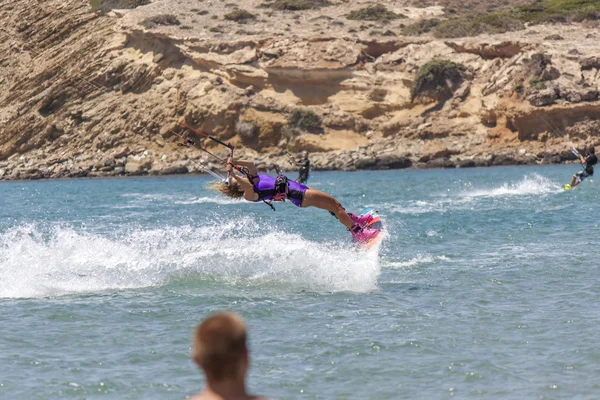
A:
(419, 207)
(419, 259)
(149, 196)
(37, 261)
(415, 207)
(529, 185)
(211, 200)
(532, 184)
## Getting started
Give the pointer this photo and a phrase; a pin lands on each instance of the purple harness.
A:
(270, 189)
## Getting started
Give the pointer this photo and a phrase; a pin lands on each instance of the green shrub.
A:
(295, 5)
(514, 18)
(374, 13)
(519, 88)
(537, 84)
(305, 119)
(108, 5)
(477, 25)
(558, 11)
(437, 79)
(420, 27)
(586, 14)
(240, 16)
(162, 19)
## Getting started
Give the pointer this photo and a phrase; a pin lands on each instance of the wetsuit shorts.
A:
(581, 175)
(296, 192)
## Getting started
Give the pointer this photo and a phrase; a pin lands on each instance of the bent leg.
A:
(316, 198)
(573, 181)
(577, 179)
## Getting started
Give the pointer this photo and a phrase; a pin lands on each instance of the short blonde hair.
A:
(220, 346)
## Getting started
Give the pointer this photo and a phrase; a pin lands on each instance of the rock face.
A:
(84, 94)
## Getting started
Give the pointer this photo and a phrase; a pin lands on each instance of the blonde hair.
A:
(220, 346)
(232, 189)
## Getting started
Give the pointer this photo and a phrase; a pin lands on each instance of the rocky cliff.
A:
(86, 91)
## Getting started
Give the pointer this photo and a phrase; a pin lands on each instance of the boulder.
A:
(366, 163)
(590, 63)
(122, 152)
(551, 159)
(136, 165)
(549, 74)
(577, 96)
(504, 159)
(177, 168)
(436, 150)
(543, 98)
(392, 161)
(465, 164)
(440, 163)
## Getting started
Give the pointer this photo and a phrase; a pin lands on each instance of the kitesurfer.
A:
(588, 167)
(255, 187)
(304, 171)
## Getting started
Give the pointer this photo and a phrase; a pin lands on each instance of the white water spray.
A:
(37, 261)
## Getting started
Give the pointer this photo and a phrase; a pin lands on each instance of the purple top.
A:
(267, 183)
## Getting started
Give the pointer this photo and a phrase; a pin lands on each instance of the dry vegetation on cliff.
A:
(99, 93)
(511, 19)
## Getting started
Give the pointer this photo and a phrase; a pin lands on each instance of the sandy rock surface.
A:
(87, 94)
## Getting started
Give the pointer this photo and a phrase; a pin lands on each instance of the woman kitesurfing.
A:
(255, 187)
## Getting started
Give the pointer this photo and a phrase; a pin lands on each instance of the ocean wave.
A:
(419, 259)
(533, 184)
(38, 261)
(529, 185)
(149, 196)
(213, 200)
(415, 207)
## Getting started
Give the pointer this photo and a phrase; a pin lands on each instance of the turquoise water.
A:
(486, 287)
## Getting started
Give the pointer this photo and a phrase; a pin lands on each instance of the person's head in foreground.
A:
(219, 349)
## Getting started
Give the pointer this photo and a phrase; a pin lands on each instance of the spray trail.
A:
(37, 261)
(529, 185)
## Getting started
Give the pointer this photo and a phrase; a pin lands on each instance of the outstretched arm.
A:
(247, 187)
(248, 164)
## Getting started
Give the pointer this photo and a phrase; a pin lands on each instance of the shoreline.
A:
(271, 172)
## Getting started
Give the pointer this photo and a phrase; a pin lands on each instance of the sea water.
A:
(486, 286)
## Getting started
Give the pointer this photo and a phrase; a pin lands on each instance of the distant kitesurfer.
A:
(220, 350)
(588, 167)
(255, 187)
(304, 164)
